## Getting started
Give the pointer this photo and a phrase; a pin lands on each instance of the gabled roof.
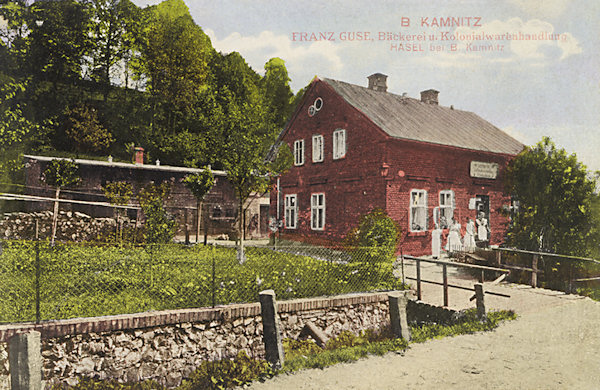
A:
(408, 118)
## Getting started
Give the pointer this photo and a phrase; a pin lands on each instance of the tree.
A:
(114, 27)
(85, 131)
(174, 57)
(59, 40)
(199, 184)
(554, 195)
(59, 174)
(118, 193)
(159, 226)
(14, 127)
(249, 171)
(277, 91)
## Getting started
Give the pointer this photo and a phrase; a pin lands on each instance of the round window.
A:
(318, 104)
(311, 110)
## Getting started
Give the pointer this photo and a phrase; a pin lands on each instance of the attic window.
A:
(315, 107)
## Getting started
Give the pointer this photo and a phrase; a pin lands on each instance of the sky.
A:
(489, 64)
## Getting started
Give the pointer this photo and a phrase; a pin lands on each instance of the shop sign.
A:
(484, 170)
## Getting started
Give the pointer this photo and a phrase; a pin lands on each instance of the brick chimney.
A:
(139, 155)
(430, 96)
(377, 82)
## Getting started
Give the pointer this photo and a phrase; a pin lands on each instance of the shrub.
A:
(159, 226)
(227, 373)
(377, 237)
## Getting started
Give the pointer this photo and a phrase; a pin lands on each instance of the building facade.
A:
(359, 148)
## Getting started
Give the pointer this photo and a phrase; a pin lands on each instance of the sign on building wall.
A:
(484, 170)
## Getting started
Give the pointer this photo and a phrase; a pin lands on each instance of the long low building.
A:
(220, 204)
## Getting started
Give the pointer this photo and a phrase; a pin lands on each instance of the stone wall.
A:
(72, 226)
(168, 345)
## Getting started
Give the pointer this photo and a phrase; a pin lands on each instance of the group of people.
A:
(459, 240)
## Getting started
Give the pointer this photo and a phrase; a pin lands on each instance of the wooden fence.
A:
(535, 259)
(444, 283)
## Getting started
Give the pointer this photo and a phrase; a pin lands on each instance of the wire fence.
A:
(42, 282)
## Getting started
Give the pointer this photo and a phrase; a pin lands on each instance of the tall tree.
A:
(59, 40)
(115, 24)
(554, 192)
(277, 91)
(174, 57)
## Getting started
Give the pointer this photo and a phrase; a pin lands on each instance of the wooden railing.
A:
(535, 258)
(444, 283)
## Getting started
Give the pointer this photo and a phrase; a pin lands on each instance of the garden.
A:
(41, 282)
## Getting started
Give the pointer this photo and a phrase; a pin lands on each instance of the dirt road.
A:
(554, 344)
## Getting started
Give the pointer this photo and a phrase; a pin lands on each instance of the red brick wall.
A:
(435, 168)
(354, 185)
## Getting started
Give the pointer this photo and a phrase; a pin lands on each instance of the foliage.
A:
(118, 192)
(85, 130)
(61, 173)
(555, 208)
(348, 347)
(14, 126)
(277, 91)
(227, 373)
(376, 237)
(554, 195)
(91, 384)
(58, 44)
(469, 324)
(159, 226)
(200, 183)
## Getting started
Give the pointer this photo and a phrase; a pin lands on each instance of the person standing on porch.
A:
(469, 239)
(454, 243)
(482, 227)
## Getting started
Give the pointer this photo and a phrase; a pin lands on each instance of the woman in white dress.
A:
(482, 227)
(454, 243)
(436, 241)
(469, 239)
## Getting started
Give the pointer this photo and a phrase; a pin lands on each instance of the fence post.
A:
(445, 275)
(187, 227)
(397, 302)
(38, 315)
(25, 360)
(534, 267)
(479, 295)
(418, 279)
(498, 258)
(213, 276)
(271, 328)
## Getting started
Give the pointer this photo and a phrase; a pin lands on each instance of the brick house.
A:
(219, 205)
(358, 148)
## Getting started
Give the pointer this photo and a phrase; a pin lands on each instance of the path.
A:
(554, 344)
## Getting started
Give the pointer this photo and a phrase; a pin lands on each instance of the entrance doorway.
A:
(482, 221)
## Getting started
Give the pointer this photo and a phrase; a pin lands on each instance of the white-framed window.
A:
(291, 211)
(299, 152)
(446, 208)
(317, 148)
(339, 143)
(317, 211)
(418, 211)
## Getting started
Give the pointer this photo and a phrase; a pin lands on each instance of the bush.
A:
(159, 226)
(377, 237)
(227, 373)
